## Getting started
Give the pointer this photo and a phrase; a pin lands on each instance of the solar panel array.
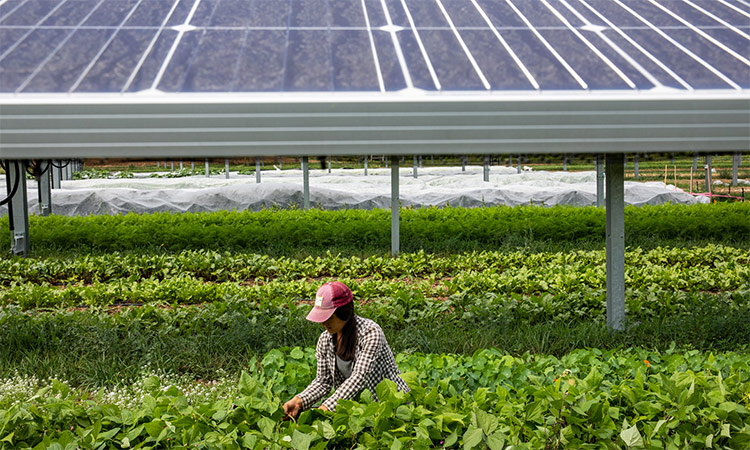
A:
(77, 46)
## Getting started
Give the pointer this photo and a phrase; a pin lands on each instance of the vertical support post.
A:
(18, 208)
(735, 167)
(421, 161)
(366, 158)
(44, 189)
(708, 174)
(208, 173)
(615, 200)
(486, 168)
(257, 169)
(671, 157)
(695, 162)
(635, 166)
(226, 168)
(56, 173)
(415, 166)
(510, 160)
(329, 163)
(305, 183)
(180, 164)
(69, 170)
(463, 163)
(565, 162)
(520, 169)
(171, 168)
(395, 207)
(192, 166)
(599, 160)
(280, 163)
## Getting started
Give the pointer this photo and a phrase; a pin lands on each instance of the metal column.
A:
(395, 206)
(735, 167)
(305, 183)
(56, 173)
(226, 168)
(44, 188)
(615, 200)
(18, 207)
(463, 163)
(635, 166)
(415, 166)
(329, 163)
(599, 161)
(207, 172)
(257, 170)
(709, 183)
(486, 168)
(520, 169)
(366, 158)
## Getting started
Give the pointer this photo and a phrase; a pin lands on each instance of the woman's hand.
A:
(323, 408)
(293, 407)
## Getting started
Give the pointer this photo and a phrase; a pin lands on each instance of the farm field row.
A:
(367, 232)
(588, 399)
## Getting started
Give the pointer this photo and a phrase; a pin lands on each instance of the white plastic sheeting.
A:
(343, 188)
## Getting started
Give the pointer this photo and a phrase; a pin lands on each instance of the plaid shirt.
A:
(373, 361)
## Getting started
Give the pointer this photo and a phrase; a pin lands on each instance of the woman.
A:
(352, 353)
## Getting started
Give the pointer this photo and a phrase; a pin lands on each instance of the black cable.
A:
(62, 166)
(11, 192)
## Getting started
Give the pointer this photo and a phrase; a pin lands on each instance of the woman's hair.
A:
(348, 333)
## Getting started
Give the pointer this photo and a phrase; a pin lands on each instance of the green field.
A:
(194, 337)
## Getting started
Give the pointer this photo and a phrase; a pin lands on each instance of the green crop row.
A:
(543, 280)
(588, 399)
(215, 266)
(438, 230)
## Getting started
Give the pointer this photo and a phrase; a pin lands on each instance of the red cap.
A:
(329, 297)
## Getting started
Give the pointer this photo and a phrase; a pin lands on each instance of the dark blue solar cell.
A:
(415, 61)
(270, 13)
(310, 13)
(453, 68)
(575, 17)
(731, 39)
(308, 61)
(353, 62)
(375, 13)
(688, 13)
(541, 17)
(69, 62)
(541, 63)
(146, 74)
(686, 67)
(496, 63)
(615, 14)
(397, 13)
(587, 64)
(393, 76)
(111, 14)
(261, 65)
(426, 14)
(32, 13)
(10, 36)
(9, 7)
(203, 14)
(20, 63)
(500, 14)
(232, 13)
(725, 13)
(347, 13)
(214, 65)
(644, 61)
(640, 80)
(71, 13)
(464, 14)
(178, 64)
(654, 15)
(153, 14)
(114, 67)
(181, 12)
(722, 61)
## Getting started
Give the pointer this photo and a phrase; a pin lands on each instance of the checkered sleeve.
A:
(373, 340)
(323, 381)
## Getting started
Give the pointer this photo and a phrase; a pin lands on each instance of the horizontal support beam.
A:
(150, 128)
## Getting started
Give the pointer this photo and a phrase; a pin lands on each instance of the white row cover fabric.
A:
(343, 188)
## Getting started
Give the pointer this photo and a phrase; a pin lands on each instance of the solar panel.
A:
(83, 46)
